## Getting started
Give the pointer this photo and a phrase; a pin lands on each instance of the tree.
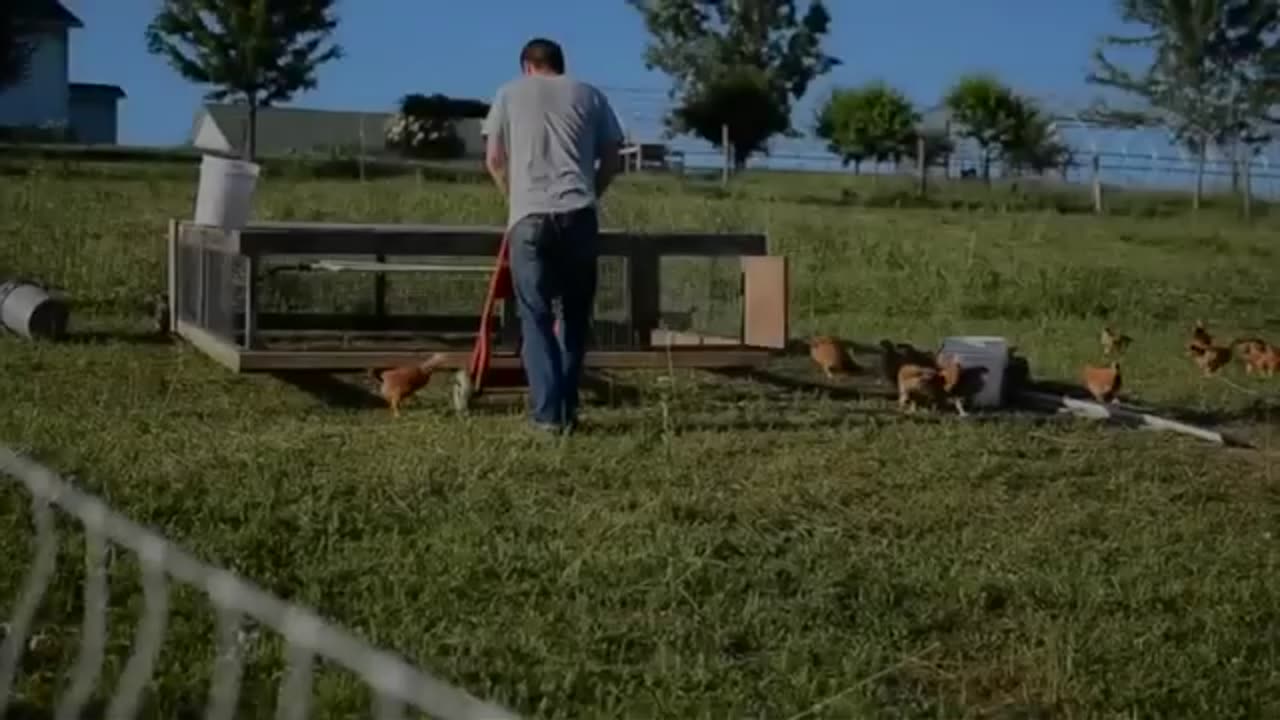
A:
(740, 99)
(873, 121)
(15, 51)
(984, 108)
(715, 51)
(1211, 78)
(426, 126)
(259, 52)
(938, 146)
(1030, 141)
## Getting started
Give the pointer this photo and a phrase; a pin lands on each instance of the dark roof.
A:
(46, 11)
(113, 91)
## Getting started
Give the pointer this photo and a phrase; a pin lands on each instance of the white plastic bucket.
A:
(29, 311)
(225, 195)
(989, 352)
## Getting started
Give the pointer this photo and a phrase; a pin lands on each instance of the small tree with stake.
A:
(740, 99)
(984, 108)
(875, 122)
(259, 52)
(761, 52)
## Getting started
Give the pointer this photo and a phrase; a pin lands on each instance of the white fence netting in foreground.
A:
(395, 685)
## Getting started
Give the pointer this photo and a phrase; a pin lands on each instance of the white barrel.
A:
(989, 352)
(29, 311)
(225, 195)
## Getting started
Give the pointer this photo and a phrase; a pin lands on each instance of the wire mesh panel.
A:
(300, 305)
(701, 295)
(211, 290)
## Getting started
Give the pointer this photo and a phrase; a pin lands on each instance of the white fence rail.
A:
(396, 686)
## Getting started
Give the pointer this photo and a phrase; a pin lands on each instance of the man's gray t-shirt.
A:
(553, 129)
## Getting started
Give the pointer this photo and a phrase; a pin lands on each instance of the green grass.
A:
(720, 548)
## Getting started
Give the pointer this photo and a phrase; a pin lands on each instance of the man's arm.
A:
(494, 130)
(609, 147)
(495, 161)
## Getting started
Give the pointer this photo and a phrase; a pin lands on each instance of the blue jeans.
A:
(553, 256)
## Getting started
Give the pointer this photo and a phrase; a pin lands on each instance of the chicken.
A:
(832, 356)
(1258, 356)
(916, 383)
(1200, 336)
(398, 383)
(1210, 358)
(1103, 383)
(1114, 343)
(960, 384)
(894, 355)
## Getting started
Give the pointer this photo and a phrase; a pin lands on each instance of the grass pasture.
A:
(720, 548)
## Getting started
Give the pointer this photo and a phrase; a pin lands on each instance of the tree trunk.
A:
(1246, 167)
(1235, 166)
(251, 143)
(1201, 154)
(857, 166)
(986, 165)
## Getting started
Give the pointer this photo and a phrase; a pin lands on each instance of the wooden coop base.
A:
(261, 342)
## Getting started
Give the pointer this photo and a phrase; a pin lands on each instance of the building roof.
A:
(114, 92)
(40, 12)
(286, 129)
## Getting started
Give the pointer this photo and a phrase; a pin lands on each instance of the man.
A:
(546, 132)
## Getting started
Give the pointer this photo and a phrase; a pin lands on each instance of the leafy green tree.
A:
(1213, 77)
(15, 52)
(874, 121)
(938, 146)
(260, 52)
(740, 99)
(426, 125)
(984, 109)
(1029, 141)
(762, 51)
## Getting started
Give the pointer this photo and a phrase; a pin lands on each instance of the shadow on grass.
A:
(859, 389)
(97, 337)
(347, 392)
(93, 710)
(332, 390)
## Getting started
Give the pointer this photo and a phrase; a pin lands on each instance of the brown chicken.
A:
(916, 383)
(1210, 358)
(894, 355)
(1258, 356)
(1103, 383)
(1114, 343)
(398, 383)
(1200, 337)
(960, 384)
(832, 356)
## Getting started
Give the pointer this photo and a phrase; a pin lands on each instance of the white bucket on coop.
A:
(985, 351)
(225, 195)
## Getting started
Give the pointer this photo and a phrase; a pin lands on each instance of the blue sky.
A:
(398, 46)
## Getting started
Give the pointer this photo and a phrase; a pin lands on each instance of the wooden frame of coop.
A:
(214, 276)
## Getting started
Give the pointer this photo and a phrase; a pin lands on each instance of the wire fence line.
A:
(1144, 158)
(396, 685)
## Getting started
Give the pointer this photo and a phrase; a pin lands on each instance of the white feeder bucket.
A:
(225, 195)
(991, 353)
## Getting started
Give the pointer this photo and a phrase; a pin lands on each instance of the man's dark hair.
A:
(543, 54)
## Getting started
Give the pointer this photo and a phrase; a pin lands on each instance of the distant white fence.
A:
(396, 685)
